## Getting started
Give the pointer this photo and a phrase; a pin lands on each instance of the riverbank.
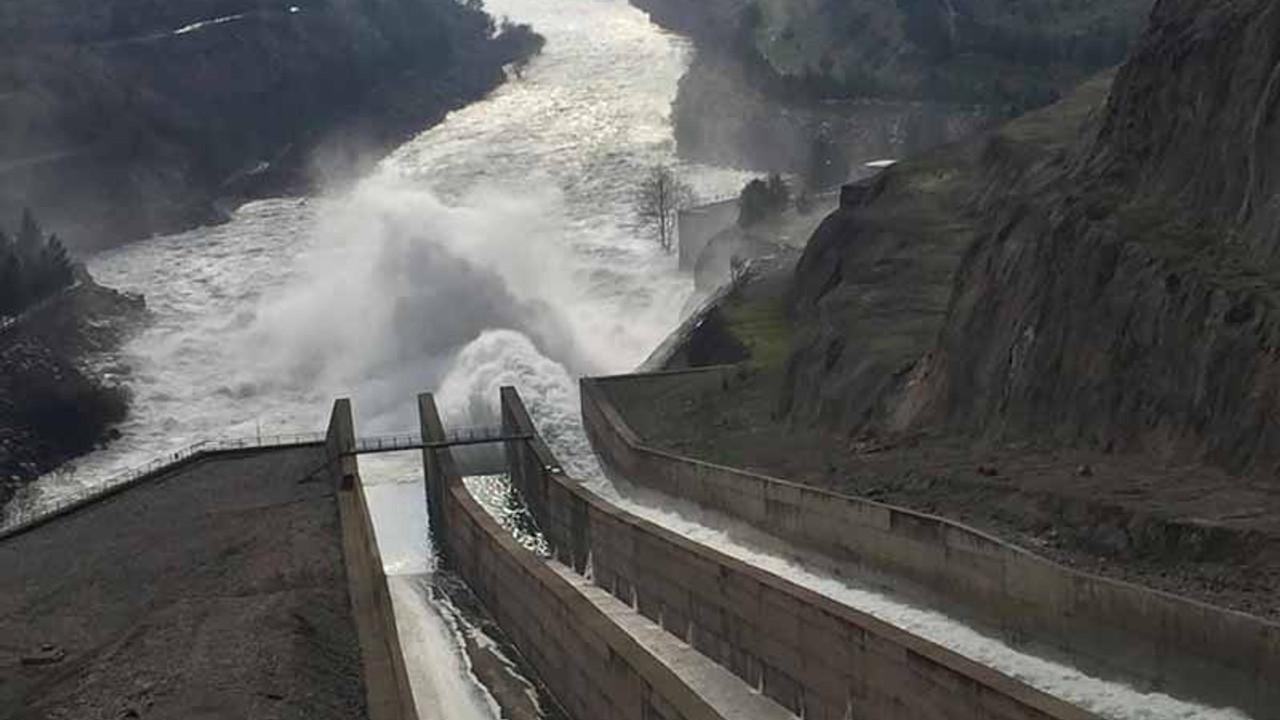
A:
(59, 395)
(777, 87)
(210, 104)
(723, 115)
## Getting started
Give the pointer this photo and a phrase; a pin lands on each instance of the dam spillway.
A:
(692, 621)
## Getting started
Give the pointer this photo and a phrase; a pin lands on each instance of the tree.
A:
(30, 238)
(763, 199)
(662, 195)
(827, 166)
(32, 267)
(10, 278)
(56, 270)
(779, 193)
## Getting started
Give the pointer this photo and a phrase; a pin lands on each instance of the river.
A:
(498, 247)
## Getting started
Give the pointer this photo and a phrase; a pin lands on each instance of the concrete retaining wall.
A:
(591, 666)
(814, 656)
(1122, 630)
(387, 688)
(696, 226)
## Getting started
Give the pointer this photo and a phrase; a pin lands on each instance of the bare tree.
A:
(661, 197)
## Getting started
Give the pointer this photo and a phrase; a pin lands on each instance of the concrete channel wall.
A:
(696, 226)
(1182, 647)
(387, 688)
(591, 666)
(814, 656)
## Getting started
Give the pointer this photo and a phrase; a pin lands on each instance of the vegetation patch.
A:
(761, 325)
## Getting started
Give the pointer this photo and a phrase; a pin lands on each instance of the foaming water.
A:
(1105, 698)
(505, 234)
(431, 637)
(502, 501)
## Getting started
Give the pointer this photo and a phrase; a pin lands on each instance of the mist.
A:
(398, 285)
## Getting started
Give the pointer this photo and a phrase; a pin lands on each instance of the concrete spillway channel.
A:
(253, 578)
(600, 657)
(812, 640)
(627, 618)
(1108, 699)
(1113, 649)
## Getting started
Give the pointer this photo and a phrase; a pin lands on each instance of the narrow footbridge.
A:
(473, 460)
(456, 437)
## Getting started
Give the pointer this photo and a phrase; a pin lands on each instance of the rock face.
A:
(1123, 296)
(1117, 287)
(128, 117)
(1064, 332)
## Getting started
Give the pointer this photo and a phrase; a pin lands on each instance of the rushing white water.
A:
(500, 243)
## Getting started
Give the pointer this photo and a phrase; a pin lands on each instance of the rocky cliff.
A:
(1123, 295)
(871, 293)
(123, 118)
(1118, 289)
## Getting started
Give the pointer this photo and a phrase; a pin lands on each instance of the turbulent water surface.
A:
(498, 246)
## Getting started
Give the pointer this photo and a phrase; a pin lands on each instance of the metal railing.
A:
(453, 438)
(363, 445)
(17, 518)
(710, 202)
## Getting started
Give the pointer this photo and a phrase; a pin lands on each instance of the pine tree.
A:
(30, 238)
(56, 265)
(11, 289)
(9, 277)
(32, 266)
